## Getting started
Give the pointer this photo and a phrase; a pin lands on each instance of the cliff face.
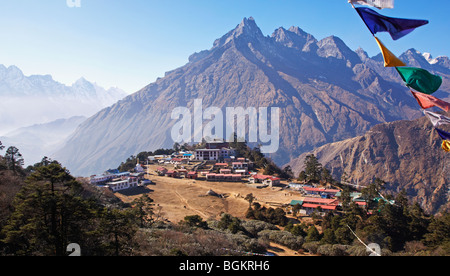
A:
(405, 154)
(325, 91)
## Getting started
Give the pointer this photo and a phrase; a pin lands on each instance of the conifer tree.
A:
(14, 158)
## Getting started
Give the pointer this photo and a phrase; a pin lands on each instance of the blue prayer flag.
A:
(396, 27)
(444, 135)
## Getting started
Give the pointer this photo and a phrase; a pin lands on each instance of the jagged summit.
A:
(11, 72)
(247, 28)
(294, 37)
(333, 46)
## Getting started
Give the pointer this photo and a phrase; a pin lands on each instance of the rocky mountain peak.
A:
(13, 72)
(334, 47)
(294, 37)
(246, 29)
(362, 54)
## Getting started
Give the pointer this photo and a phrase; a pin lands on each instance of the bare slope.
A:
(405, 154)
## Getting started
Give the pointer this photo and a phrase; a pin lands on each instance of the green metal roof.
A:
(295, 202)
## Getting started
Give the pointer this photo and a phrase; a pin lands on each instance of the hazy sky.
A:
(130, 43)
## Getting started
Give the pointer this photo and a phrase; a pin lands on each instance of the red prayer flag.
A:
(428, 101)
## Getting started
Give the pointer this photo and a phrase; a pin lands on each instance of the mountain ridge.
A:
(325, 91)
(46, 100)
(405, 154)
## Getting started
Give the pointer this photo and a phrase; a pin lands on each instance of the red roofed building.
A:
(320, 191)
(265, 179)
(192, 175)
(172, 174)
(310, 204)
(161, 171)
(321, 201)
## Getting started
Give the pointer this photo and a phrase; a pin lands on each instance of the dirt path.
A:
(186, 205)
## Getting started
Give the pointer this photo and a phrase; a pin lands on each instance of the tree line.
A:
(43, 208)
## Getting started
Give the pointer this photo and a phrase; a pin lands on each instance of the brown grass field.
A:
(180, 197)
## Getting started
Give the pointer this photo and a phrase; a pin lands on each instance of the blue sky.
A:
(128, 44)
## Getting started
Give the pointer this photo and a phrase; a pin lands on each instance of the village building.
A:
(310, 204)
(188, 156)
(172, 173)
(178, 161)
(101, 180)
(221, 165)
(207, 154)
(161, 171)
(242, 172)
(272, 181)
(123, 184)
(213, 154)
(265, 179)
(225, 171)
(217, 144)
(182, 172)
(223, 177)
(192, 175)
(107, 177)
(323, 192)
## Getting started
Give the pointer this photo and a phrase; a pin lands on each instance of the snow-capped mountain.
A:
(36, 99)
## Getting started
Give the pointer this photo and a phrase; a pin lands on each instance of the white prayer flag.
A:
(437, 119)
(380, 4)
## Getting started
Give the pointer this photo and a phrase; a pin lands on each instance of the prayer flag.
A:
(437, 119)
(427, 101)
(396, 27)
(420, 79)
(446, 145)
(444, 135)
(390, 60)
(380, 4)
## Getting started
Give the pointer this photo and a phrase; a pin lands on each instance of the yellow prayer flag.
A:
(446, 145)
(390, 60)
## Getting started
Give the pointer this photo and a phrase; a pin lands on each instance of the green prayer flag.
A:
(420, 79)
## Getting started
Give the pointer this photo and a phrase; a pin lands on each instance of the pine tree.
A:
(313, 169)
(48, 214)
(313, 234)
(14, 158)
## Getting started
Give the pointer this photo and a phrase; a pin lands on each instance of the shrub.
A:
(333, 250)
(284, 238)
(253, 227)
(311, 247)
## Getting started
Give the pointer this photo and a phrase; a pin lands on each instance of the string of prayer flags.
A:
(390, 60)
(437, 119)
(414, 78)
(420, 79)
(379, 4)
(396, 27)
(444, 135)
(446, 145)
(427, 101)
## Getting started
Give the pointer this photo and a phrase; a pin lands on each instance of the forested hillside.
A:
(44, 209)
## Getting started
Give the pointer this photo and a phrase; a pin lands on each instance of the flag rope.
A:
(368, 248)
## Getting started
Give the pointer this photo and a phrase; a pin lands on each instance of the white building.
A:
(207, 154)
(213, 154)
(124, 184)
(98, 180)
